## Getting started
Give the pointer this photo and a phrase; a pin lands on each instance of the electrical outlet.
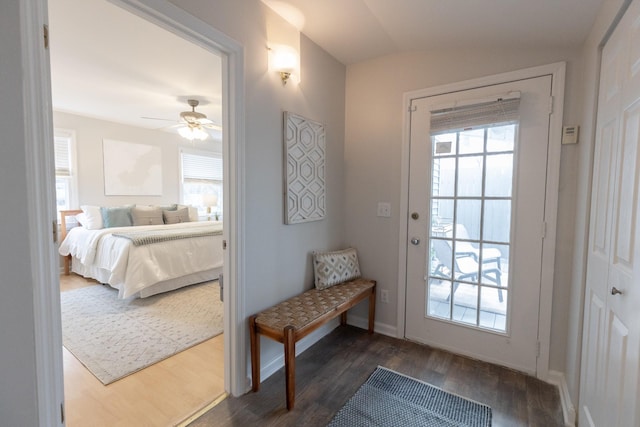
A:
(384, 296)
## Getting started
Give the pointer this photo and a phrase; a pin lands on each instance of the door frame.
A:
(41, 213)
(557, 71)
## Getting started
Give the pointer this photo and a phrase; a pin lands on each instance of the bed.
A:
(138, 260)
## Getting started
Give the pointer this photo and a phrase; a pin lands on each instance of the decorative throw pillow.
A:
(93, 217)
(331, 268)
(174, 217)
(147, 215)
(193, 212)
(82, 219)
(116, 217)
(171, 207)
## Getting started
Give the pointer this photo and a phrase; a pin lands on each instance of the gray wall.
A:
(373, 148)
(278, 257)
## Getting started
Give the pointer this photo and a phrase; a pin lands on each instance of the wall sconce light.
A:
(284, 60)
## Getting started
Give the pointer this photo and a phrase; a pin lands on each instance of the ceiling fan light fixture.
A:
(192, 132)
(193, 121)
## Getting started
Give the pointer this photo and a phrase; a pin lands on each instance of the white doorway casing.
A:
(40, 191)
(557, 71)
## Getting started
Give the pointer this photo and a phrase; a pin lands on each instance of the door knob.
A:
(615, 291)
(415, 241)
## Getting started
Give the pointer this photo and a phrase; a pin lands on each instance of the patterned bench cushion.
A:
(303, 309)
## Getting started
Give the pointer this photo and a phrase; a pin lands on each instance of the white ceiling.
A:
(109, 64)
(357, 30)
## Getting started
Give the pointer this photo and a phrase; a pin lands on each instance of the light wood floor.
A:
(163, 394)
(331, 371)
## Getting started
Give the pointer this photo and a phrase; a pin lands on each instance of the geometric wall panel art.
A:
(304, 157)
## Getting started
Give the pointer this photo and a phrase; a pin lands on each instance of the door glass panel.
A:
(465, 303)
(472, 141)
(470, 176)
(444, 182)
(444, 145)
(494, 264)
(442, 217)
(471, 227)
(468, 219)
(497, 220)
(439, 304)
(501, 138)
(493, 308)
(499, 174)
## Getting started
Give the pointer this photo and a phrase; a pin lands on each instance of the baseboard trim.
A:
(381, 328)
(568, 411)
(277, 363)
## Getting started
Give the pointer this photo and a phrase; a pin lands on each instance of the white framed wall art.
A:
(131, 169)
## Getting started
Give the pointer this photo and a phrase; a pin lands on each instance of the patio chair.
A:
(465, 267)
(465, 248)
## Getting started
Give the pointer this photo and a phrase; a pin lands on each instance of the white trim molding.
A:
(41, 213)
(176, 20)
(568, 410)
(39, 156)
(557, 71)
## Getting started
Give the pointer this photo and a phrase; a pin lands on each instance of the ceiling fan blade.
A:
(157, 118)
(212, 126)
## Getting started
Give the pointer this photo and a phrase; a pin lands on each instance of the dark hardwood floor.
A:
(329, 372)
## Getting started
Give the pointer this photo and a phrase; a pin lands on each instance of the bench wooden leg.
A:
(290, 365)
(255, 354)
(343, 318)
(372, 309)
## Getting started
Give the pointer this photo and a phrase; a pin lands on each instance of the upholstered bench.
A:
(295, 318)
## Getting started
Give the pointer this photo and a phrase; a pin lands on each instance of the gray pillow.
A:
(147, 215)
(331, 268)
(174, 217)
(116, 217)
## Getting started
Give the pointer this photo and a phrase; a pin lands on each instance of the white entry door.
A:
(478, 161)
(610, 377)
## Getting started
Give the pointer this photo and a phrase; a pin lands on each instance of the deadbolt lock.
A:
(415, 215)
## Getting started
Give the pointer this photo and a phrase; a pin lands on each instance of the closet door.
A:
(611, 335)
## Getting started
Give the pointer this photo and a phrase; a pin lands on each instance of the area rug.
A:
(114, 338)
(388, 398)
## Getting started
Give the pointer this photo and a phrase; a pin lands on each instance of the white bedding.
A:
(147, 269)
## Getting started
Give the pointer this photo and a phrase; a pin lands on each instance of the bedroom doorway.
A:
(211, 40)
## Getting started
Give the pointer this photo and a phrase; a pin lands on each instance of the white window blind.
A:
(500, 110)
(62, 153)
(201, 168)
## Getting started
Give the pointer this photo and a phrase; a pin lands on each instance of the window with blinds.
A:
(202, 182)
(65, 177)
(480, 114)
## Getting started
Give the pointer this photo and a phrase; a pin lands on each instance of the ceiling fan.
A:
(193, 124)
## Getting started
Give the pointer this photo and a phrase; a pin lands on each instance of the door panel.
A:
(592, 360)
(485, 268)
(610, 369)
